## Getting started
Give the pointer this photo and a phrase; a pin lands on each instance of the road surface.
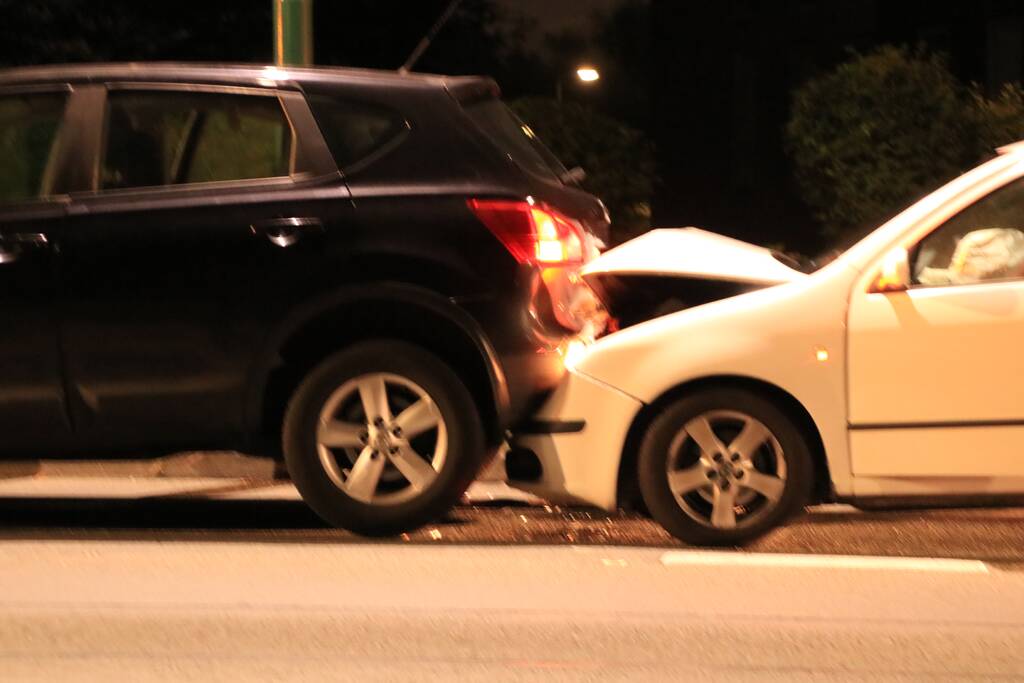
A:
(182, 586)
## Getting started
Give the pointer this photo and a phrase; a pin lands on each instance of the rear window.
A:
(353, 131)
(514, 138)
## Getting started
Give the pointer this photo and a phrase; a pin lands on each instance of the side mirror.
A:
(894, 273)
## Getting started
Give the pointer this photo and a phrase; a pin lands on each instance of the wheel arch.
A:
(628, 492)
(366, 311)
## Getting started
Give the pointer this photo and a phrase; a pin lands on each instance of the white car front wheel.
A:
(723, 467)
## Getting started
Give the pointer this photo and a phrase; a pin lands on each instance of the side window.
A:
(172, 138)
(354, 131)
(982, 243)
(29, 126)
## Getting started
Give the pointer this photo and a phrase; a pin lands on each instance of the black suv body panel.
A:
(176, 316)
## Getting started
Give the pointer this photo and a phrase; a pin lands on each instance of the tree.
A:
(886, 127)
(999, 120)
(619, 160)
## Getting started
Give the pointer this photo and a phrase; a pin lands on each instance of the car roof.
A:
(262, 75)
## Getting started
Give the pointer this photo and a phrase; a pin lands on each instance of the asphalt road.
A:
(178, 586)
(239, 511)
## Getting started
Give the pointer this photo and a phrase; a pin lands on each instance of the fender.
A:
(269, 357)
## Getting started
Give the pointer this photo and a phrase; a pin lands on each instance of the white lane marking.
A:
(794, 561)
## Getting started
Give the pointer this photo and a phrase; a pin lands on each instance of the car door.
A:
(208, 206)
(32, 150)
(936, 372)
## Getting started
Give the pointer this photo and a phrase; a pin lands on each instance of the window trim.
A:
(966, 285)
(37, 88)
(917, 286)
(308, 161)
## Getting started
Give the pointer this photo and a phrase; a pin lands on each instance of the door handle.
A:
(284, 232)
(14, 244)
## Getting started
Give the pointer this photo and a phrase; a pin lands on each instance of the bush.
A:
(885, 128)
(619, 160)
(999, 121)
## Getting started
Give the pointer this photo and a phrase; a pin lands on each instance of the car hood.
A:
(693, 253)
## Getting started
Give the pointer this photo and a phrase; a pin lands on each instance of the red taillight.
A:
(533, 233)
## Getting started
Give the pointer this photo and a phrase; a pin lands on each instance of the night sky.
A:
(553, 16)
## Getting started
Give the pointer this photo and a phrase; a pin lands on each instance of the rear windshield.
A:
(514, 138)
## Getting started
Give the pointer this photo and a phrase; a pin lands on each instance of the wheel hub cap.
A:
(726, 469)
(381, 439)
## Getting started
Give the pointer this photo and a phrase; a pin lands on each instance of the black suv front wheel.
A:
(382, 438)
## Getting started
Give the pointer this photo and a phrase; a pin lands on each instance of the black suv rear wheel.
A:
(382, 438)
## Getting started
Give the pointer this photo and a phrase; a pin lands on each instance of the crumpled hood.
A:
(694, 253)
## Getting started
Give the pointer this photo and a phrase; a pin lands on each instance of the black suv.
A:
(368, 272)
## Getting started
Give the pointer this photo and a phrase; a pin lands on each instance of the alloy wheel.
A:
(381, 439)
(726, 469)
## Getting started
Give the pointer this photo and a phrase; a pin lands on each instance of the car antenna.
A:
(425, 42)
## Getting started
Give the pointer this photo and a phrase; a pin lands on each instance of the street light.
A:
(585, 73)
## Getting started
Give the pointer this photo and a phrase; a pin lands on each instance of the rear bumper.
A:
(529, 328)
(577, 438)
(531, 377)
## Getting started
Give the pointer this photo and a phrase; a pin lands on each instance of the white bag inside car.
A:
(987, 254)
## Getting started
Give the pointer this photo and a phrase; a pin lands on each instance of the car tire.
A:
(382, 480)
(693, 463)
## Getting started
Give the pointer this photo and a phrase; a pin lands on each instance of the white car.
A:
(894, 372)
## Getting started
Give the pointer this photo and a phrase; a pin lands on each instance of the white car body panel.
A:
(942, 354)
(990, 452)
(794, 337)
(956, 353)
(696, 253)
(935, 486)
(771, 336)
(607, 414)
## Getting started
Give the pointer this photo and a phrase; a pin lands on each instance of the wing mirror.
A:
(894, 273)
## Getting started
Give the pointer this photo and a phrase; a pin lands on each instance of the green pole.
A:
(293, 32)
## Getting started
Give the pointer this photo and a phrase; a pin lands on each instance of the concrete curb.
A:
(182, 465)
(199, 464)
